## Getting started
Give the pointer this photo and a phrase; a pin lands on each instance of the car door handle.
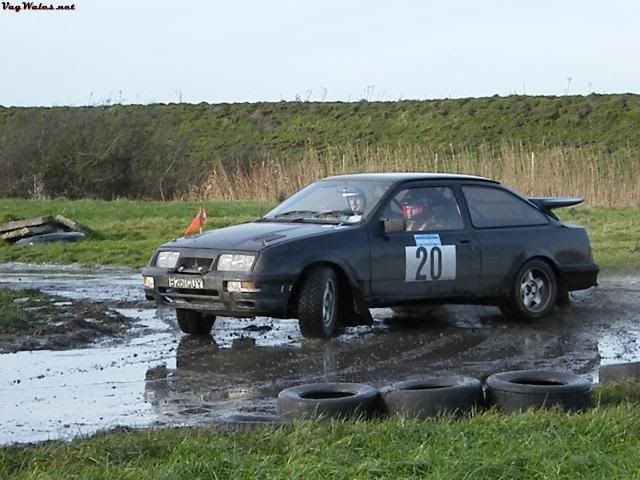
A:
(467, 241)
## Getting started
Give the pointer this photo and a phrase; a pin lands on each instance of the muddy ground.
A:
(50, 322)
(154, 375)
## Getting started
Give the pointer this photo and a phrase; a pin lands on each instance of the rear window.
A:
(492, 207)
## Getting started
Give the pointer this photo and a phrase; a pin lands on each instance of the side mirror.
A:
(394, 225)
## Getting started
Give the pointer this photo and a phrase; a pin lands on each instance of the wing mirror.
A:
(394, 225)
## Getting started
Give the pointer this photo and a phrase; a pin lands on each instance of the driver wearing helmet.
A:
(417, 210)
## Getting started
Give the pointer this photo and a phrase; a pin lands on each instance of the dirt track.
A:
(156, 376)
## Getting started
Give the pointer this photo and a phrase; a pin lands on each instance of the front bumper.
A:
(272, 300)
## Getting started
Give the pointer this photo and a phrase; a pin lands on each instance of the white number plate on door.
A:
(430, 263)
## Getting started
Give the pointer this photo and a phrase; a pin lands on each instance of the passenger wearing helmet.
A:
(417, 210)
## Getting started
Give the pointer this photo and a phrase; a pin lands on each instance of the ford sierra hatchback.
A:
(347, 243)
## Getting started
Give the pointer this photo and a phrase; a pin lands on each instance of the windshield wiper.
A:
(333, 213)
(339, 217)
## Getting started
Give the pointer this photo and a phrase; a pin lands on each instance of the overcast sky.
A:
(135, 51)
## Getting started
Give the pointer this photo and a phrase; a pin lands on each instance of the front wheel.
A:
(533, 293)
(194, 323)
(318, 303)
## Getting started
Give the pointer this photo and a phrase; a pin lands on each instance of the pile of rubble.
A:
(43, 229)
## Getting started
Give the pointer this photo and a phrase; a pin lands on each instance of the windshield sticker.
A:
(427, 240)
(430, 263)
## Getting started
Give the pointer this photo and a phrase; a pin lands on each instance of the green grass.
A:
(129, 150)
(15, 315)
(129, 231)
(601, 443)
(614, 234)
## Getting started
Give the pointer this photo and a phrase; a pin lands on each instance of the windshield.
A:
(331, 201)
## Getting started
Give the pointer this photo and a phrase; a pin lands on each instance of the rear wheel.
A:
(533, 293)
(194, 323)
(318, 303)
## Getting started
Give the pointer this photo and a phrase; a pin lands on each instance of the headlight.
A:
(167, 259)
(235, 263)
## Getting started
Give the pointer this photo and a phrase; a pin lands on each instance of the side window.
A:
(426, 209)
(492, 207)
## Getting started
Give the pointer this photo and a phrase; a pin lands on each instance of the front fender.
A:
(346, 249)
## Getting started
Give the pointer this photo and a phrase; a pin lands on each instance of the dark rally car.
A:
(347, 243)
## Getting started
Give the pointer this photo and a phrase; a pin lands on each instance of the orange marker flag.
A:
(198, 221)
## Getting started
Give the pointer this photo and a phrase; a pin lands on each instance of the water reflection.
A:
(214, 380)
(211, 381)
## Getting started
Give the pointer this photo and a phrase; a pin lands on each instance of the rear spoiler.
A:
(549, 203)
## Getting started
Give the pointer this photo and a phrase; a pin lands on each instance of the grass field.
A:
(601, 443)
(164, 151)
(129, 231)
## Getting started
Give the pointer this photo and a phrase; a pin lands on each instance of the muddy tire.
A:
(522, 390)
(430, 397)
(328, 400)
(318, 303)
(194, 323)
(533, 293)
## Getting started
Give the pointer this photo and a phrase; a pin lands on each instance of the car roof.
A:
(400, 177)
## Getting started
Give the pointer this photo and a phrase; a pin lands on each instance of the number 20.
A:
(435, 263)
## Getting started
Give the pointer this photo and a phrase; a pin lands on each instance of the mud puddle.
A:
(62, 394)
(157, 376)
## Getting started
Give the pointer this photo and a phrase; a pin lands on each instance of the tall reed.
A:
(603, 179)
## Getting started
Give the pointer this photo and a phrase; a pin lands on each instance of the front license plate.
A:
(182, 282)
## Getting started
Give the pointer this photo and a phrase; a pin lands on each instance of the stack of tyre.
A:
(449, 396)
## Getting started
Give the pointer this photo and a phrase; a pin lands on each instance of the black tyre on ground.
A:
(328, 400)
(521, 390)
(430, 397)
(194, 323)
(318, 303)
(534, 292)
